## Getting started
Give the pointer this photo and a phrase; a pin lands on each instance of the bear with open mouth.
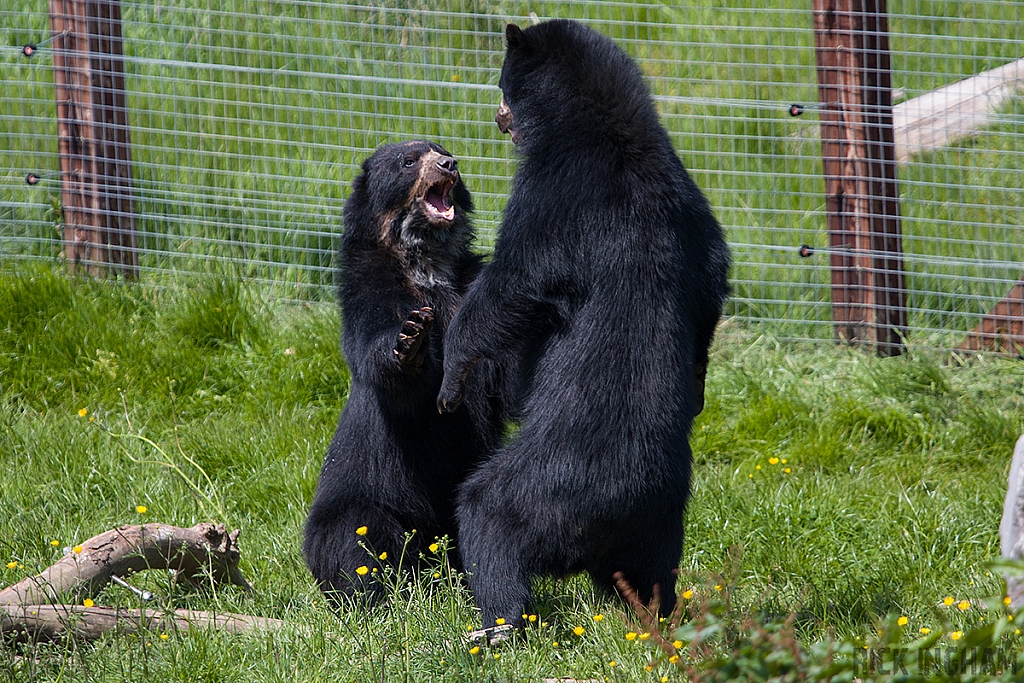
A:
(395, 463)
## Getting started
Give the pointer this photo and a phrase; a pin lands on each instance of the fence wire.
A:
(249, 118)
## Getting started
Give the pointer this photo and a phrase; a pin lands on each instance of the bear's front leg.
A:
(409, 346)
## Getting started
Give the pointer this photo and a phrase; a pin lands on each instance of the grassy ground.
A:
(850, 487)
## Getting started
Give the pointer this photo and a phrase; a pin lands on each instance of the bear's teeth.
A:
(439, 203)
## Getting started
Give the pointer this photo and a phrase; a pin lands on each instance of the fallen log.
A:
(32, 609)
(204, 549)
(36, 623)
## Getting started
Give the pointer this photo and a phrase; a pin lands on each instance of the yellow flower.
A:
(629, 636)
(956, 635)
(783, 461)
(383, 555)
(533, 618)
(141, 509)
(497, 656)
(673, 659)
(164, 636)
(88, 602)
(948, 600)
(648, 668)
(1017, 632)
(579, 630)
(664, 679)
(611, 663)
(361, 531)
(363, 570)
(525, 616)
(55, 543)
(677, 644)
(718, 587)
(598, 617)
(1006, 600)
(12, 565)
(77, 549)
(757, 467)
(902, 621)
(475, 650)
(773, 461)
(433, 547)
(925, 630)
(787, 470)
(500, 621)
(687, 594)
(554, 644)
(1009, 617)
(437, 575)
(83, 412)
(963, 605)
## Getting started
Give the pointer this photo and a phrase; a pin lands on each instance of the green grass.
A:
(246, 133)
(892, 501)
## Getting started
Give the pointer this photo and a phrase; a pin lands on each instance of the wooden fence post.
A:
(859, 163)
(92, 129)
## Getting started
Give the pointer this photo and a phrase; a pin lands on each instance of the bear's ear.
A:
(513, 36)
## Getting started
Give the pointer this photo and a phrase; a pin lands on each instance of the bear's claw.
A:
(450, 397)
(414, 332)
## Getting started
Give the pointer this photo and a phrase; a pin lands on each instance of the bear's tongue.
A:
(437, 198)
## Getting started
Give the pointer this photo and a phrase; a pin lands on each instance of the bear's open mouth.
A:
(437, 201)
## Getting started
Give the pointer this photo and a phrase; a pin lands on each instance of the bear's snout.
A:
(448, 165)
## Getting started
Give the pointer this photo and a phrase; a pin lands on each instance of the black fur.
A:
(394, 463)
(607, 281)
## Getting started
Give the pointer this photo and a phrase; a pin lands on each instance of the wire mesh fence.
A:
(248, 119)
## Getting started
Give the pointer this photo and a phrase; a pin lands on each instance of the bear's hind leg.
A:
(493, 554)
(644, 560)
(346, 562)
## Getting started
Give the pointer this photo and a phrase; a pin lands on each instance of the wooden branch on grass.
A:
(30, 608)
(53, 622)
(128, 549)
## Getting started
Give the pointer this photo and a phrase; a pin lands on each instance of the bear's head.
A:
(563, 82)
(409, 194)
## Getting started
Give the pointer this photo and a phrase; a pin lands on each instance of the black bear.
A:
(394, 463)
(607, 281)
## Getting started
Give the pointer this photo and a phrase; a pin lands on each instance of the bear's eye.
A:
(409, 161)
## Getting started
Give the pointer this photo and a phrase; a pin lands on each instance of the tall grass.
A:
(891, 502)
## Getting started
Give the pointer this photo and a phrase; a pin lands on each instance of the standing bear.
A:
(607, 281)
(395, 463)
